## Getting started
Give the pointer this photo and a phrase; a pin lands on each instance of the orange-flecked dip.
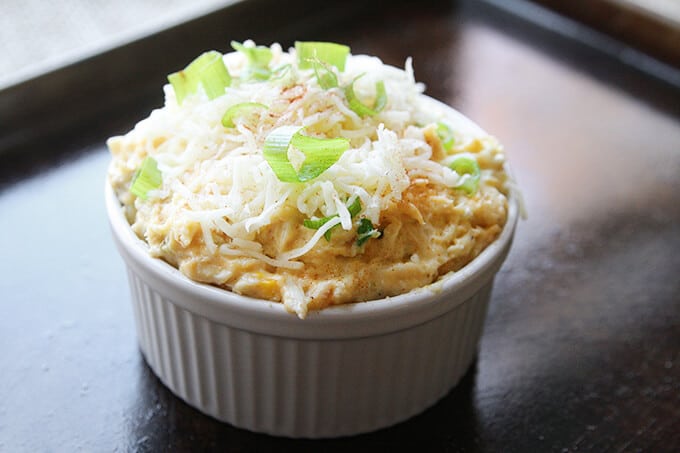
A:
(311, 177)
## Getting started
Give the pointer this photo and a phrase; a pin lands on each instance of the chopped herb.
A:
(258, 61)
(147, 178)
(207, 70)
(366, 231)
(320, 153)
(326, 52)
(237, 110)
(468, 168)
(324, 75)
(362, 109)
(445, 134)
(315, 224)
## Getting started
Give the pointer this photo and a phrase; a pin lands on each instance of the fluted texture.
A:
(305, 388)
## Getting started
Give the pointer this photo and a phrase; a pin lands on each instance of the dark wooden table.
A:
(581, 349)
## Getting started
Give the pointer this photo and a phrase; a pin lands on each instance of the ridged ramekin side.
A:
(305, 387)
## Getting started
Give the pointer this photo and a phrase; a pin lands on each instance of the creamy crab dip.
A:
(311, 177)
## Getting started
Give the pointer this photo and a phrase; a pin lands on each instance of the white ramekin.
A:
(341, 371)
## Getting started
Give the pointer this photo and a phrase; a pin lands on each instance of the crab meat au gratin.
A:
(311, 177)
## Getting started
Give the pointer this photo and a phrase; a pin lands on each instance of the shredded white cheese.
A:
(217, 177)
(222, 216)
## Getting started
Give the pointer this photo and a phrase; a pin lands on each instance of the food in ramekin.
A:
(312, 177)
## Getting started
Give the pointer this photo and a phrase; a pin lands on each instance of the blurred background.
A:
(37, 36)
(652, 26)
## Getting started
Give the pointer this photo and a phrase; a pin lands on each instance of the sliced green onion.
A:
(182, 84)
(325, 75)
(320, 153)
(354, 208)
(280, 72)
(208, 69)
(380, 96)
(257, 56)
(315, 224)
(258, 59)
(244, 108)
(256, 73)
(148, 178)
(360, 108)
(215, 77)
(328, 52)
(468, 168)
(275, 152)
(366, 231)
(445, 134)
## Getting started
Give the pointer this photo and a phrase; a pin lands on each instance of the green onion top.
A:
(325, 75)
(236, 110)
(320, 153)
(327, 52)
(366, 231)
(280, 72)
(360, 108)
(208, 70)
(467, 167)
(259, 55)
(315, 224)
(147, 178)
(445, 134)
(258, 59)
